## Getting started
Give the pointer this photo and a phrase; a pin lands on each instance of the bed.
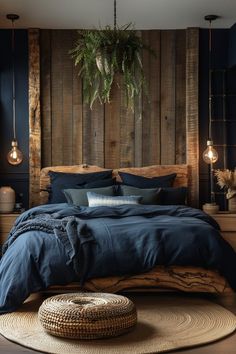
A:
(97, 257)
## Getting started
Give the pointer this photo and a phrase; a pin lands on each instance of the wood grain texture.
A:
(67, 97)
(46, 103)
(57, 101)
(111, 136)
(77, 112)
(34, 117)
(168, 97)
(187, 279)
(182, 174)
(126, 132)
(112, 126)
(180, 96)
(192, 113)
(138, 126)
(151, 100)
(93, 134)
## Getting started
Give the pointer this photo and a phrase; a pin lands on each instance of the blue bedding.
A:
(57, 244)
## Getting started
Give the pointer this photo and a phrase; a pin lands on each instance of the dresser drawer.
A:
(226, 221)
(6, 223)
(3, 237)
(230, 237)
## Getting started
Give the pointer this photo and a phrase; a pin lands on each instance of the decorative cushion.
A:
(79, 197)
(149, 196)
(61, 180)
(173, 196)
(95, 200)
(87, 315)
(144, 182)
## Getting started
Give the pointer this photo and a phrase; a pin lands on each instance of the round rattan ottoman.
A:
(87, 315)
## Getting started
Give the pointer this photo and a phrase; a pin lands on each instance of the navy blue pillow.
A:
(144, 182)
(99, 184)
(173, 196)
(61, 180)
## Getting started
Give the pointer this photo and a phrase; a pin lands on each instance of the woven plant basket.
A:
(87, 315)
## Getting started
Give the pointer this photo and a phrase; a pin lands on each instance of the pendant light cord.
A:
(210, 18)
(115, 25)
(13, 82)
(210, 82)
(13, 17)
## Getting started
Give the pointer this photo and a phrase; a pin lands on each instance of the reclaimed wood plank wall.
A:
(110, 135)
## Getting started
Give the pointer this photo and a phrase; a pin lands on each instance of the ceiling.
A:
(144, 14)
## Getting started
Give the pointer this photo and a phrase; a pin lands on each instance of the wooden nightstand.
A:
(6, 223)
(227, 223)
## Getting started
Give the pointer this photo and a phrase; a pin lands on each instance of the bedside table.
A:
(227, 223)
(6, 223)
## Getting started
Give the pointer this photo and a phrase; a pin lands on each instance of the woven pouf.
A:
(87, 315)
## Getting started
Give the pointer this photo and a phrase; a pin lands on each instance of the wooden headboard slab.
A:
(182, 179)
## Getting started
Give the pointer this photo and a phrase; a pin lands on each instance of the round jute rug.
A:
(165, 323)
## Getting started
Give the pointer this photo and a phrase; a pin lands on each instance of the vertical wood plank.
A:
(67, 82)
(93, 134)
(168, 97)
(45, 83)
(57, 98)
(192, 113)
(138, 126)
(112, 127)
(126, 132)
(151, 102)
(34, 117)
(180, 98)
(77, 112)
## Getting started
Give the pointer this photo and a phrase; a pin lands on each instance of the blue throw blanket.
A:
(58, 244)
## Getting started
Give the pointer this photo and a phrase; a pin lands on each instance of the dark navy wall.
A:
(15, 176)
(232, 47)
(223, 108)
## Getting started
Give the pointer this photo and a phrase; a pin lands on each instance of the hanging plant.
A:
(103, 53)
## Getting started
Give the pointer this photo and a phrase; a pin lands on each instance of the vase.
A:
(232, 204)
(7, 199)
(210, 208)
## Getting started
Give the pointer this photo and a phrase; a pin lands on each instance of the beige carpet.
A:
(165, 323)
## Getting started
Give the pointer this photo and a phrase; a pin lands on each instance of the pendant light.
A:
(15, 156)
(210, 155)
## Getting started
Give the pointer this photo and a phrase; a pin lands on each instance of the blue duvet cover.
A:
(58, 244)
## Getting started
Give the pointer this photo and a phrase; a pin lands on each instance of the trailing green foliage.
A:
(103, 53)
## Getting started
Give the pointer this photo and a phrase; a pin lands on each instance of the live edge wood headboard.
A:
(183, 176)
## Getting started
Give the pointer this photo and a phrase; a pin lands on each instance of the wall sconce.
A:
(210, 155)
(15, 156)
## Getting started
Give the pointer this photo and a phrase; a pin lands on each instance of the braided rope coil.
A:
(87, 315)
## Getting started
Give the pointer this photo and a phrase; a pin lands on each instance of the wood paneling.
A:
(168, 43)
(151, 101)
(34, 116)
(109, 135)
(180, 97)
(192, 138)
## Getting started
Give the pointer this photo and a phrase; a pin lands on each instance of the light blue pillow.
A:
(95, 200)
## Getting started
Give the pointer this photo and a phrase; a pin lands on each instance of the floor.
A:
(223, 346)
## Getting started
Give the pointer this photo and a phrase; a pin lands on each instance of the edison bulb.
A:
(210, 155)
(15, 156)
